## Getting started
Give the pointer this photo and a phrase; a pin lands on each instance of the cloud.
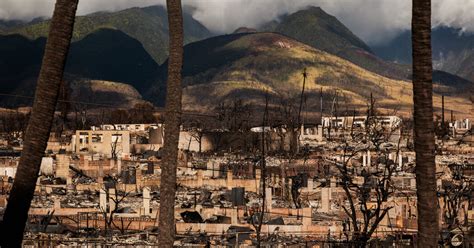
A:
(28, 9)
(454, 13)
(372, 20)
(375, 21)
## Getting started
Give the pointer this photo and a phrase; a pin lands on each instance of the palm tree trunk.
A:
(39, 125)
(424, 127)
(172, 125)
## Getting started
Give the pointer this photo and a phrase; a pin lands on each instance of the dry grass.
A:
(325, 71)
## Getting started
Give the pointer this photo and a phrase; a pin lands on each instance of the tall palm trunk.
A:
(172, 124)
(424, 127)
(39, 125)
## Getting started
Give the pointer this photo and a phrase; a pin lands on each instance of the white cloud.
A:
(373, 20)
(28, 9)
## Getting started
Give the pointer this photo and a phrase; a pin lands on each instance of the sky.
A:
(375, 21)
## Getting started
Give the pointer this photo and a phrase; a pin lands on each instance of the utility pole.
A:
(442, 110)
(371, 107)
(321, 103)
(333, 114)
(443, 125)
(305, 74)
(258, 228)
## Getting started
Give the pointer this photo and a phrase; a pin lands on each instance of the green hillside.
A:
(149, 25)
(320, 30)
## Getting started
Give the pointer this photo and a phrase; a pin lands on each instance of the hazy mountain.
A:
(9, 24)
(149, 25)
(453, 51)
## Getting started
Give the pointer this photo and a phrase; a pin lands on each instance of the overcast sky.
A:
(374, 21)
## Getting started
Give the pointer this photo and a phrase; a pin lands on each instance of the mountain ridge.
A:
(149, 25)
(250, 64)
(453, 50)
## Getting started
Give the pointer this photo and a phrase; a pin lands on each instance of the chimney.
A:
(268, 199)
(368, 158)
(230, 178)
(57, 203)
(200, 178)
(442, 112)
(234, 216)
(119, 166)
(103, 200)
(112, 199)
(310, 184)
(146, 201)
(325, 199)
(332, 183)
(307, 217)
(400, 160)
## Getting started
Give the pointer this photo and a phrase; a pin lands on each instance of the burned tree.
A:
(368, 189)
(455, 196)
(258, 217)
(116, 139)
(233, 115)
(197, 128)
(116, 198)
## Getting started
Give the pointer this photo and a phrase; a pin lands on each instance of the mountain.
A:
(106, 54)
(244, 30)
(325, 32)
(148, 25)
(453, 50)
(112, 47)
(320, 30)
(112, 55)
(20, 61)
(397, 50)
(107, 93)
(246, 65)
(9, 24)
(451, 85)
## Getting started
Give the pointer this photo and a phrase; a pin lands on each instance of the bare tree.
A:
(116, 137)
(197, 130)
(454, 194)
(14, 124)
(233, 115)
(376, 184)
(288, 115)
(109, 213)
(142, 113)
